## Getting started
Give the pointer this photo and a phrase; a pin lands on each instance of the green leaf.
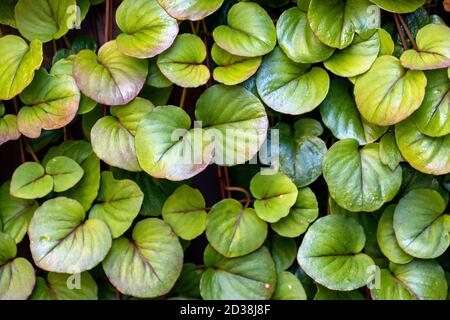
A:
(167, 148)
(283, 251)
(8, 128)
(433, 116)
(290, 87)
(433, 49)
(340, 114)
(184, 210)
(399, 6)
(20, 60)
(149, 265)
(65, 172)
(236, 123)
(275, 195)
(331, 254)
(357, 179)
(231, 69)
(85, 191)
(190, 9)
(387, 93)
(250, 277)
(182, 62)
(387, 45)
(324, 293)
(250, 31)
(16, 279)
(112, 137)
(288, 287)
(425, 154)
(188, 283)
(297, 40)
(302, 214)
(417, 280)
(356, 59)
(29, 181)
(234, 231)
(389, 153)
(335, 22)
(45, 19)
(111, 78)
(8, 248)
(147, 29)
(7, 14)
(155, 78)
(51, 102)
(118, 203)
(62, 241)
(387, 240)
(65, 287)
(427, 235)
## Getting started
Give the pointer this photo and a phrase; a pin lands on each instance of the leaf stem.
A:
(30, 150)
(400, 32)
(55, 47)
(107, 20)
(242, 190)
(1, 31)
(67, 42)
(221, 184)
(183, 98)
(193, 28)
(408, 32)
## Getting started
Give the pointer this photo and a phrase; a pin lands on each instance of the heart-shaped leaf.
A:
(65, 172)
(147, 29)
(288, 287)
(190, 9)
(112, 137)
(111, 78)
(357, 179)
(51, 102)
(147, 266)
(20, 60)
(302, 214)
(387, 93)
(62, 241)
(251, 277)
(427, 235)
(330, 253)
(290, 87)
(250, 31)
(399, 6)
(182, 62)
(118, 203)
(433, 49)
(45, 19)
(29, 181)
(233, 230)
(340, 114)
(8, 128)
(185, 212)
(233, 69)
(389, 153)
(275, 195)
(424, 153)
(298, 41)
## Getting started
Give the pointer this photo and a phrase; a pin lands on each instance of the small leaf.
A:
(16, 280)
(8, 128)
(65, 172)
(389, 153)
(288, 287)
(283, 251)
(190, 9)
(29, 181)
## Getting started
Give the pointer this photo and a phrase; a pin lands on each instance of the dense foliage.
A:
(350, 99)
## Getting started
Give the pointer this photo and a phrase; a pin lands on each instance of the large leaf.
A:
(250, 31)
(290, 87)
(45, 19)
(236, 123)
(425, 154)
(147, 29)
(335, 22)
(112, 137)
(118, 203)
(288, 287)
(297, 40)
(340, 114)
(357, 179)
(275, 195)
(233, 230)
(433, 49)
(182, 62)
(399, 6)
(417, 280)
(387, 93)
(147, 266)
(65, 172)
(331, 254)
(185, 212)
(20, 60)
(111, 78)
(30, 181)
(251, 277)
(190, 9)
(62, 241)
(51, 102)
(427, 235)
(304, 212)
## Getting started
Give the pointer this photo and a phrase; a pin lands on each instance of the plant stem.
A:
(221, 184)
(107, 20)
(193, 28)
(65, 133)
(1, 31)
(30, 150)
(242, 190)
(400, 32)
(408, 32)
(183, 98)
(67, 42)
(227, 179)
(55, 47)
(22, 150)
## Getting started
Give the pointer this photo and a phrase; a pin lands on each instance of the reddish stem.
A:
(400, 32)
(408, 32)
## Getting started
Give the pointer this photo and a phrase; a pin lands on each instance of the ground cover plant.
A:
(224, 149)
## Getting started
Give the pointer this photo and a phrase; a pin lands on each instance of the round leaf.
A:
(399, 6)
(29, 181)
(16, 279)
(190, 9)
(65, 172)
(288, 287)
